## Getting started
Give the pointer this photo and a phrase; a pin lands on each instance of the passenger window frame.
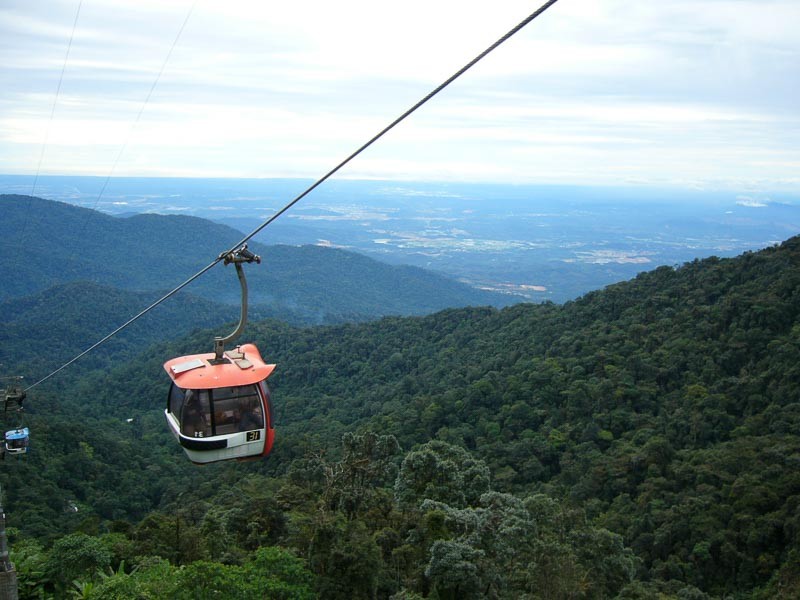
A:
(218, 402)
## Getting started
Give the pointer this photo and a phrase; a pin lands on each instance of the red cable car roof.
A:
(195, 372)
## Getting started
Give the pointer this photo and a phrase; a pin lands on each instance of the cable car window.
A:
(252, 417)
(196, 414)
(16, 444)
(237, 409)
(175, 400)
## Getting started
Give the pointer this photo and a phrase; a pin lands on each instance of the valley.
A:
(539, 242)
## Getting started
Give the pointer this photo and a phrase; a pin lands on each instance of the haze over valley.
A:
(536, 242)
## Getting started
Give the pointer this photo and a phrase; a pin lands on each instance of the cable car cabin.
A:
(17, 441)
(221, 411)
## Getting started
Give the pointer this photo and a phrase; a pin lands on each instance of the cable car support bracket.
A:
(238, 256)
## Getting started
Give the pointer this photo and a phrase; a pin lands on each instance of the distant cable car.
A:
(17, 441)
(219, 405)
(220, 410)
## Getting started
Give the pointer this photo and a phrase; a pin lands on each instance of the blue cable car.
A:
(17, 441)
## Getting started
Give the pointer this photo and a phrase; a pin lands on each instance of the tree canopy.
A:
(639, 442)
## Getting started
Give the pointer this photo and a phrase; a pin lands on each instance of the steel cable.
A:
(312, 187)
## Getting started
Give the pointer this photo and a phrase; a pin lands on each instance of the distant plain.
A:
(539, 242)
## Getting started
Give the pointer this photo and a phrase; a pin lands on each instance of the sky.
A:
(692, 93)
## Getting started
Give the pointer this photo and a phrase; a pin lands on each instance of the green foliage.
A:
(641, 442)
(351, 484)
(345, 558)
(282, 575)
(30, 561)
(785, 582)
(151, 580)
(443, 472)
(173, 537)
(453, 570)
(268, 573)
(74, 557)
(506, 546)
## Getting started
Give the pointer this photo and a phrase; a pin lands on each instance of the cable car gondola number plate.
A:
(253, 436)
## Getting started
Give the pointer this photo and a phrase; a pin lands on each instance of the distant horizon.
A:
(720, 188)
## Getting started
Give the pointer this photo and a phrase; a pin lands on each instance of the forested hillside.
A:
(67, 318)
(48, 243)
(641, 442)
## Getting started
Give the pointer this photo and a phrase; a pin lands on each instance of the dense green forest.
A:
(46, 244)
(67, 318)
(640, 442)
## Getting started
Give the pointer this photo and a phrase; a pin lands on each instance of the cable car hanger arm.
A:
(237, 257)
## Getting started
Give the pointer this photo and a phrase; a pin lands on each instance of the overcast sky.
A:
(678, 92)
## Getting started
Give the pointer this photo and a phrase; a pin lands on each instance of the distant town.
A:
(539, 242)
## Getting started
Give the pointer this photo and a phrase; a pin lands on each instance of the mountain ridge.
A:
(47, 243)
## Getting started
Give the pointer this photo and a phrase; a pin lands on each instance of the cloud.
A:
(752, 202)
(595, 91)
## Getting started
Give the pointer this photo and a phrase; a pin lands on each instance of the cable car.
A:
(221, 409)
(17, 441)
(218, 406)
